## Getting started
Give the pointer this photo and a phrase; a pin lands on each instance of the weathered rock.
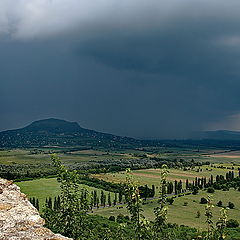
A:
(19, 220)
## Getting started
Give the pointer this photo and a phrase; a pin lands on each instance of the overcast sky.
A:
(147, 69)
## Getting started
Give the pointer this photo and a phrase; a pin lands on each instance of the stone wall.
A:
(19, 220)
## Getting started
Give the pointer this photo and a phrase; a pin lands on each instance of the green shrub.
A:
(210, 190)
(232, 223)
(203, 200)
(219, 204)
(170, 200)
(231, 205)
(112, 218)
(198, 214)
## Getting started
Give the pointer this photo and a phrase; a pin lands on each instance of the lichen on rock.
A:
(19, 220)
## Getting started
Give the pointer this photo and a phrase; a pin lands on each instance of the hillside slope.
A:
(60, 133)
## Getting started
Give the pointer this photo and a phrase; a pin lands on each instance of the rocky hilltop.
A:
(19, 220)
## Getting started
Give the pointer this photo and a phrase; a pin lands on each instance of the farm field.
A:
(68, 156)
(152, 176)
(30, 156)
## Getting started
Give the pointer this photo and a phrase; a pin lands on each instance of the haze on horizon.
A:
(155, 69)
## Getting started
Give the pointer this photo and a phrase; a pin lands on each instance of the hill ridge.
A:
(58, 132)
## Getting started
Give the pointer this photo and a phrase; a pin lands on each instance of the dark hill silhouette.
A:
(56, 132)
(53, 125)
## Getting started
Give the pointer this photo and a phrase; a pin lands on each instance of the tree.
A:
(69, 218)
(210, 190)
(153, 190)
(115, 200)
(55, 204)
(134, 206)
(146, 192)
(203, 200)
(33, 201)
(221, 225)
(209, 216)
(195, 190)
(198, 215)
(97, 202)
(231, 205)
(112, 218)
(179, 186)
(169, 188)
(109, 200)
(95, 198)
(175, 187)
(170, 200)
(219, 204)
(120, 197)
(232, 223)
(37, 204)
(161, 210)
(211, 180)
(50, 205)
(187, 184)
(102, 198)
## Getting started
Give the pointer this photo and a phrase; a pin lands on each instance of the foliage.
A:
(219, 203)
(209, 216)
(134, 206)
(210, 190)
(232, 223)
(221, 225)
(203, 200)
(70, 217)
(161, 210)
(198, 214)
(231, 205)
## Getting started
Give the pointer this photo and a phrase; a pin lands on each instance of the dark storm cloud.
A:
(156, 69)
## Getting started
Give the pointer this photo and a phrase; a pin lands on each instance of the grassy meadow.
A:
(186, 215)
(49, 187)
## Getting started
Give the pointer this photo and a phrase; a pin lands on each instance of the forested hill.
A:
(56, 132)
(61, 133)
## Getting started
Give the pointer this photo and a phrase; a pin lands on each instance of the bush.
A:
(203, 200)
(170, 200)
(198, 214)
(232, 223)
(231, 205)
(112, 218)
(122, 219)
(210, 190)
(225, 188)
(195, 191)
(219, 204)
